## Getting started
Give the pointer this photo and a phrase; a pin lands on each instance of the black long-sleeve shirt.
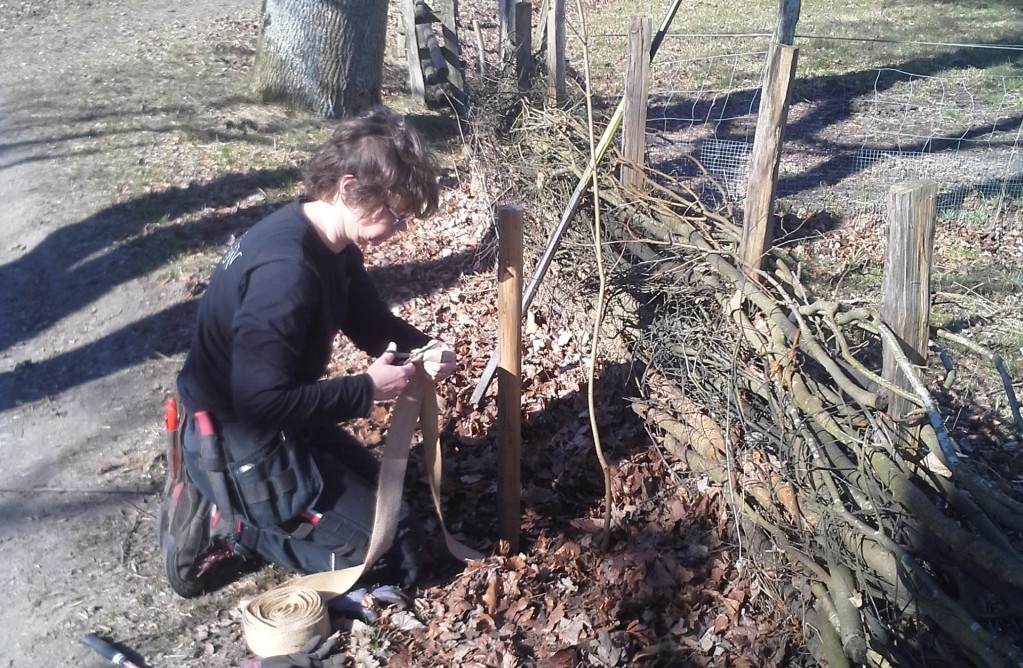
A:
(267, 323)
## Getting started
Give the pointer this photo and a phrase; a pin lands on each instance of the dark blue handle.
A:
(104, 649)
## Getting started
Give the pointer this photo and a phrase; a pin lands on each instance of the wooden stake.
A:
(555, 29)
(482, 60)
(788, 16)
(906, 286)
(415, 68)
(757, 232)
(509, 386)
(524, 44)
(506, 32)
(637, 77)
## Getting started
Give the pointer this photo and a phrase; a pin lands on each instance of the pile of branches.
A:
(912, 550)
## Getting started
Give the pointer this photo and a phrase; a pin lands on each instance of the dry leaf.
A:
(490, 596)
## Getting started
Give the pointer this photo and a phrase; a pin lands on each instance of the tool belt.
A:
(259, 474)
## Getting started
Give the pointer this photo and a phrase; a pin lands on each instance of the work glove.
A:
(353, 604)
(446, 366)
(313, 654)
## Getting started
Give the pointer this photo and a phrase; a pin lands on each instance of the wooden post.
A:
(481, 54)
(788, 16)
(555, 23)
(509, 386)
(540, 29)
(506, 23)
(906, 286)
(637, 78)
(415, 68)
(757, 230)
(523, 44)
(451, 53)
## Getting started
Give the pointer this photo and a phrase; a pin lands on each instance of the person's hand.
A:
(439, 370)
(389, 378)
(313, 654)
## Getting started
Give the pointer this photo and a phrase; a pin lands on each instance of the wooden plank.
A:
(757, 229)
(509, 384)
(637, 82)
(435, 67)
(452, 50)
(415, 69)
(554, 20)
(481, 66)
(906, 285)
(506, 29)
(540, 30)
(524, 45)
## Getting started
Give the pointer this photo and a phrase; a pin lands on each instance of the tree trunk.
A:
(325, 55)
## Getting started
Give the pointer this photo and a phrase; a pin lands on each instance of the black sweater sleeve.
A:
(369, 323)
(270, 329)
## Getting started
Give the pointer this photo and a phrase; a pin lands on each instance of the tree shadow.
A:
(168, 333)
(44, 130)
(165, 333)
(123, 242)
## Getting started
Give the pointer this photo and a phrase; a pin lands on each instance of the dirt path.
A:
(90, 334)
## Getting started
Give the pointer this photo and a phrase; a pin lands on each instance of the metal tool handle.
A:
(107, 650)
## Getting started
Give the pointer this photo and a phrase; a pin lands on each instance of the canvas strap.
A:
(281, 620)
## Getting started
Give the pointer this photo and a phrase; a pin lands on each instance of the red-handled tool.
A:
(107, 651)
(214, 463)
(173, 444)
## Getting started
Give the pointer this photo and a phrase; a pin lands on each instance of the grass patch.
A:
(882, 34)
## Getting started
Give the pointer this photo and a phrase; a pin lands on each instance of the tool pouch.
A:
(274, 478)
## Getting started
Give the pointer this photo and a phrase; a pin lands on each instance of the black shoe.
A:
(399, 566)
(193, 538)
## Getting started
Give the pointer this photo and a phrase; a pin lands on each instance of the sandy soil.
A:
(91, 335)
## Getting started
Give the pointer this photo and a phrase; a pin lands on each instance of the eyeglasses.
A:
(398, 218)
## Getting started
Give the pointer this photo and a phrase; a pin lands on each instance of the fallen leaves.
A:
(667, 592)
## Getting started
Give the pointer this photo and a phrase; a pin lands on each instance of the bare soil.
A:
(92, 330)
(131, 151)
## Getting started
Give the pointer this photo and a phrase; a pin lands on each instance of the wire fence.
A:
(948, 112)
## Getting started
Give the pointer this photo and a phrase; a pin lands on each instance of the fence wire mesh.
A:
(949, 112)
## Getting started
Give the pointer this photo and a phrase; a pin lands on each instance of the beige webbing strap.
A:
(281, 620)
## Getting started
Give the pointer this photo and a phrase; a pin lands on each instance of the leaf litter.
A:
(673, 588)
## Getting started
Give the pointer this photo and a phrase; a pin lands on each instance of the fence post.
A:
(637, 83)
(555, 22)
(506, 21)
(415, 68)
(523, 44)
(509, 387)
(540, 29)
(757, 232)
(481, 63)
(906, 286)
(788, 16)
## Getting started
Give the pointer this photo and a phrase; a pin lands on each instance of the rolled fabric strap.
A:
(271, 622)
(283, 619)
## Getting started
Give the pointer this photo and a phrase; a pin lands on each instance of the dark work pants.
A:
(346, 508)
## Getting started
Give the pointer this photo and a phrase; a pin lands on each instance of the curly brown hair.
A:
(386, 156)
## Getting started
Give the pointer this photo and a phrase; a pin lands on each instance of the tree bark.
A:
(325, 55)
